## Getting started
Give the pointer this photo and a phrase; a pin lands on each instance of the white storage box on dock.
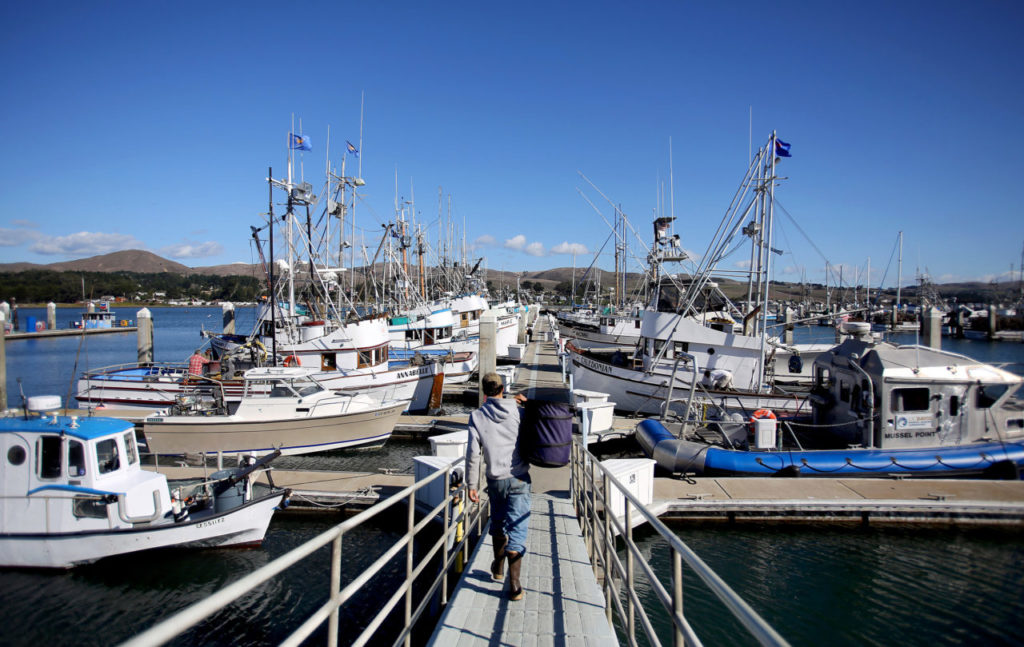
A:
(516, 351)
(427, 498)
(636, 476)
(764, 432)
(596, 417)
(508, 374)
(580, 396)
(450, 445)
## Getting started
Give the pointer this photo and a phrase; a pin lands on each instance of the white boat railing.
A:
(329, 611)
(592, 487)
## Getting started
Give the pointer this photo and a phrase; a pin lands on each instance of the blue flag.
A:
(781, 148)
(299, 142)
(352, 149)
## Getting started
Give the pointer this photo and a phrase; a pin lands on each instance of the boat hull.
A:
(222, 434)
(244, 525)
(157, 387)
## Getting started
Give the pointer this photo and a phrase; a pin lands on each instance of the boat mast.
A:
(272, 298)
(899, 281)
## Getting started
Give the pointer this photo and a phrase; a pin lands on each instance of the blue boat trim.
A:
(77, 489)
(678, 455)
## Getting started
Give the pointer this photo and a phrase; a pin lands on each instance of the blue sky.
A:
(151, 126)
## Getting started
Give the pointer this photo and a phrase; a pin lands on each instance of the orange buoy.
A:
(291, 360)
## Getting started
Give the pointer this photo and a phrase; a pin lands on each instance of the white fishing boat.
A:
(281, 409)
(429, 331)
(692, 334)
(73, 492)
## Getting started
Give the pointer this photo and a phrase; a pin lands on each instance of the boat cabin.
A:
(886, 396)
(64, 474)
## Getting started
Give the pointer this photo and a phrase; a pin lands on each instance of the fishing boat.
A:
(877, 409)
(73, 492)
(281, 409)
(693, 335)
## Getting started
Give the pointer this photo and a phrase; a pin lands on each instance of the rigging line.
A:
(800, 229)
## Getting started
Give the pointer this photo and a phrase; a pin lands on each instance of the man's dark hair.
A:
(491, 384)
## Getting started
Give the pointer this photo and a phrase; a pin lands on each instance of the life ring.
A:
(291, 360)
(760, 414)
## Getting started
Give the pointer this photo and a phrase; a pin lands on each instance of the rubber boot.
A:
(515, 565)
(498, 565)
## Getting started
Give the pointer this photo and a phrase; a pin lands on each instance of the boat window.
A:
(48, 449)
(821, 377)
(107, 456)
(16, 455)
(844, 391)
(856, 403)
(987, 395)
(309, 389)
(88, 507)
(76, 458)
(914, 399)
(280, 392)
(131, 453)
(682, 346)
(329, 362)
(636, 323)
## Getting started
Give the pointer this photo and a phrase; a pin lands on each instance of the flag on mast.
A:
(781, 148)
(299, 142)
(352, 149)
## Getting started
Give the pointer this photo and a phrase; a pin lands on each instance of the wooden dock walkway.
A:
(564, 604)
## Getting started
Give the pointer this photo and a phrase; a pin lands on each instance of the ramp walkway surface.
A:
(563, 603)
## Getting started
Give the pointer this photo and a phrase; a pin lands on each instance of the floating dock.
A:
(68, 332)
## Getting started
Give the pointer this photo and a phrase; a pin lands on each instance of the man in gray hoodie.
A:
(495, 427)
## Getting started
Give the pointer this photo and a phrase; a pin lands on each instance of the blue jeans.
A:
(510, 510)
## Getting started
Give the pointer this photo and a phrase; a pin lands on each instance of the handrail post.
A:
(449, 502)
(607, 540)
(332, 624)
(677, 596)
(409, 538)
(630, 606)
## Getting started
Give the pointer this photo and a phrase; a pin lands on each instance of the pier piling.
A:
(51, 316)
(227, 311)
(488, 349)
(3, 361)
(932, 328)
(145, 336)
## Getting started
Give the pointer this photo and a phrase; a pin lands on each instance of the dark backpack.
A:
(545, 434)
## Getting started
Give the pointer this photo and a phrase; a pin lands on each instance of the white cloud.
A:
(743, 265)
(192, 250)
(534, 249)
(566, 247)
(27, 224)
(85, 243)
(486, 240)
(516, 242)
(15, 237)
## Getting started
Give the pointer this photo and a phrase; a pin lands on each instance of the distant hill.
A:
(134, 260)
(149, 263)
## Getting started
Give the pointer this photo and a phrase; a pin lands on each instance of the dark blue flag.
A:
(299, 142)
(352, 149)
(781, 148)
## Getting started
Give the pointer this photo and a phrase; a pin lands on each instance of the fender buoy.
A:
(760, 414)
(291, 360)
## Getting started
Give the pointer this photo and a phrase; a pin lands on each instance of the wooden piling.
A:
(145, 336)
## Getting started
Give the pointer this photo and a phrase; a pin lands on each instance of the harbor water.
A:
(815, 584)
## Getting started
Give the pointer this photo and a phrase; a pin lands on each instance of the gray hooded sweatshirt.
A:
(495, 426)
